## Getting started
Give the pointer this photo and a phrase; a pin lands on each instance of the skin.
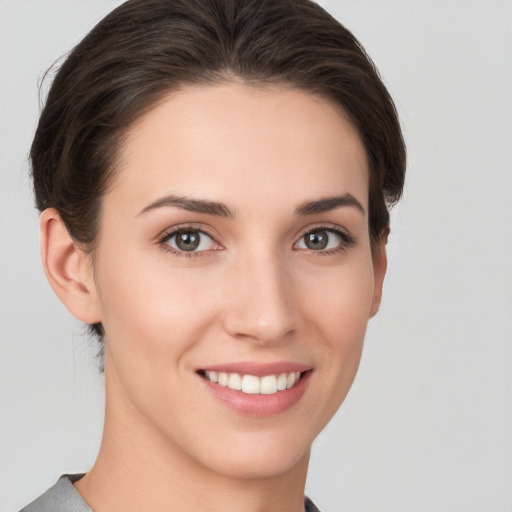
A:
(255, 293)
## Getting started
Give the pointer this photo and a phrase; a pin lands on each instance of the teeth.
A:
(223, 379)
(281, 381)
(250, 384)
(267, 385)
(235, 381)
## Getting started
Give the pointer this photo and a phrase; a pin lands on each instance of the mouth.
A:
(252, 384)
(257, 390)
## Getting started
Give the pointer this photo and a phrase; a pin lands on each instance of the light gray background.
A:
(428, 423)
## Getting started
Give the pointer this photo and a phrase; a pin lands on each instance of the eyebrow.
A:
(329, 203)
(189, 204)
(221, 210)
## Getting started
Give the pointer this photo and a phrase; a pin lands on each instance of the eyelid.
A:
(324, 226)
(192, 226)
(168, 233)
(348, 239)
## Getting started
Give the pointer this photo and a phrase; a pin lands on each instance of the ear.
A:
(68, 268)
(380, 265)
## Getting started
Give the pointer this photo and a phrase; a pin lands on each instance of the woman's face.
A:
(234, 247)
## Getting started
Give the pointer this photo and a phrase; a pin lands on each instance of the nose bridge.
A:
(260, 304)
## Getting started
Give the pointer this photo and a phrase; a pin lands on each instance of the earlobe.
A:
(68, 268)
(380, 265)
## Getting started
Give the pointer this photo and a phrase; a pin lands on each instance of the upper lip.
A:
(258, 369)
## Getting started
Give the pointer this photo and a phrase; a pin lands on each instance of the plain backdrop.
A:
(427, 425)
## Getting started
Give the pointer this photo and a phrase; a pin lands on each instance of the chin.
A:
(259, 458)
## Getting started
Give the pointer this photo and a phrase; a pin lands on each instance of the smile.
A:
(253, 385)
(257, 389)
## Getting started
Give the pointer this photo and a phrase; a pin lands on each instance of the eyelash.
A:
(347, 240)
(168, 235)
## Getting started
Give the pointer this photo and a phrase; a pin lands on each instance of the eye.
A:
(327, 240)
(189, 240)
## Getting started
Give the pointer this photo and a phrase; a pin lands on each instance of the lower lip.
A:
(257, 405)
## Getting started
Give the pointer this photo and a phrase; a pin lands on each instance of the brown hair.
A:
(145, 48)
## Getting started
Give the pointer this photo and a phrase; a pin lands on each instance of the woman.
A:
(214, 179)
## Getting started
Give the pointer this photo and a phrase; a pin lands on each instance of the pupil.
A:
(187, 241)
(317, 240)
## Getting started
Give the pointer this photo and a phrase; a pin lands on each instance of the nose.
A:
(259, 300)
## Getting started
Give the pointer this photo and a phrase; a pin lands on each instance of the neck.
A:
(138, 468)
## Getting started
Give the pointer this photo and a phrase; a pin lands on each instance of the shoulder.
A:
(62, 497)
(309, 506)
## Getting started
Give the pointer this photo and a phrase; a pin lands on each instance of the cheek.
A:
(339, 312)
(339, 301)
(157, 311)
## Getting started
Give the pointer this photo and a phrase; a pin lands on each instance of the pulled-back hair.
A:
(146, 48)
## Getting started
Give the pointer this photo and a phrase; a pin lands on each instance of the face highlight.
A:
(235, 277)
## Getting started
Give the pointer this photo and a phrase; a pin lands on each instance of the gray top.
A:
(63, 497)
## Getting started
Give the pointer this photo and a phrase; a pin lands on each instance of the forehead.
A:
(242, 144)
